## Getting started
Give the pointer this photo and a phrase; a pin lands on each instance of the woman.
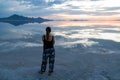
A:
(48, 51)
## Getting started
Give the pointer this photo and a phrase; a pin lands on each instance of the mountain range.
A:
(17, 20)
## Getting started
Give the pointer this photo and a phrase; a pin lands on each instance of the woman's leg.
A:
(44, 63)
(51, 61)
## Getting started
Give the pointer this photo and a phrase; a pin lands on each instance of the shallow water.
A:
(84, 50)
(69, 34)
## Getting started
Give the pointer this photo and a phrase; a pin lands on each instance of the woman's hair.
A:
(48, 29)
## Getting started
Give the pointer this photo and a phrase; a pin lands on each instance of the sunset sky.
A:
(63, 9)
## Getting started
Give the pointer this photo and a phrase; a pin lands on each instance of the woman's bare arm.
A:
(53, 40)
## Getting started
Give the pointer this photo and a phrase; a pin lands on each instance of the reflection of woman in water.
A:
(48, 51)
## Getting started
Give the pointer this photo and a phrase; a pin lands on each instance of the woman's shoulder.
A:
(52, 35)
(43, 36)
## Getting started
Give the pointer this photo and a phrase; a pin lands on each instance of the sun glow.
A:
(82, 23)
(83, 17)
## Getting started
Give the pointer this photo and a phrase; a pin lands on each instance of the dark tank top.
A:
(48, 44)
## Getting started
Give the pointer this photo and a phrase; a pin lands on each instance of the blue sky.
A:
(61, 8)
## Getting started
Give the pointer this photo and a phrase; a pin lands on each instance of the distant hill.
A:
(20, 20)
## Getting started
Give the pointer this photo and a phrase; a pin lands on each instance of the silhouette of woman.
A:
(48, 51)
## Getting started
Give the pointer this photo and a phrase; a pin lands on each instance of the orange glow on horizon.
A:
(82, 23)
(82, 17)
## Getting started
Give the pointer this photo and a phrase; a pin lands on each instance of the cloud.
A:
(87, 7)
(43, 3)
(27, 7)
(50, 7)
(14, 6)
(112, 8)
